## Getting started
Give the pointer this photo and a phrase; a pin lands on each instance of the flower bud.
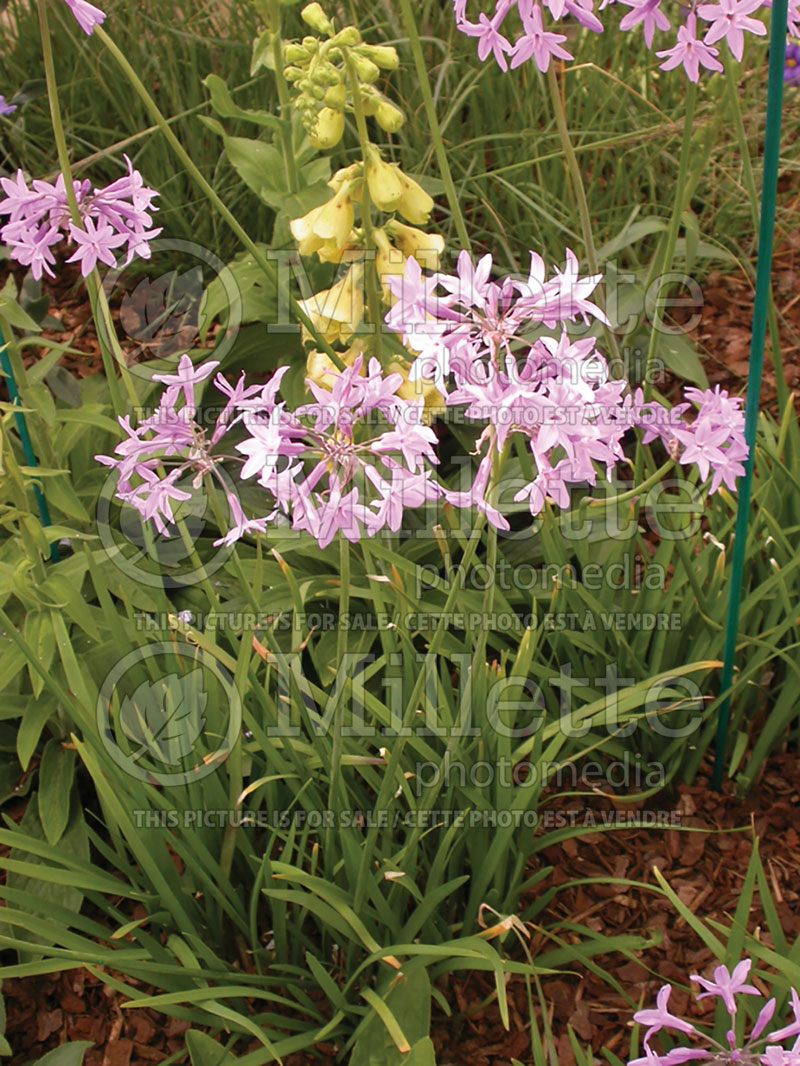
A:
(385, 56)
(365, 69)
(293, 73)
(294, 53)
(389, 117)
(315, 17)
(414, 204)
(336, 96)
(371, 99)
(345, 174)
(348, 37)
(384, 181)
(327, 74)
(328, 128)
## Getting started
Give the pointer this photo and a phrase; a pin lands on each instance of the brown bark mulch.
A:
(704, 858)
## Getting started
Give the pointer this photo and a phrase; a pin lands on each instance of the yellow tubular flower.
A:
(302, 229)
(414, 204)
(337, 312)
(327, 229)
(318, 364)
(388, 260)
(335, 219)
(328, 129)
(425, 247)
(385, 182)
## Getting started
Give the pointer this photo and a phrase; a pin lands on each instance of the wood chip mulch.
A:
(702, 858)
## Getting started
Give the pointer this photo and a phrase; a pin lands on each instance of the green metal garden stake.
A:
(772, 137)
(25, 440)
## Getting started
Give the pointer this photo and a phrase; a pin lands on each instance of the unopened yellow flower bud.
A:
(384, 181)
(328, 129)
(371, 99)
(389, 117)
(414, 204)
(294, 53)
(348, 36)
(315, 17)
(366, 70)
(383, 55)
(345, 174)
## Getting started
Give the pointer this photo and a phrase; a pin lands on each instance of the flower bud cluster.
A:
(318, 70)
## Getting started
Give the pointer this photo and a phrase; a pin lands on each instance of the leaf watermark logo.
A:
(160, 315)
(169, 713)
(165, 312)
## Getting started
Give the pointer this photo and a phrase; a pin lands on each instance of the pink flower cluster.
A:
(534, 41)
(39, 218)
(355, 457)
(555, 392)
(320, 465)
(758, 1049)
(726, 20)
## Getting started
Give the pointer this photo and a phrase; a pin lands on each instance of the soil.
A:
(704, 858)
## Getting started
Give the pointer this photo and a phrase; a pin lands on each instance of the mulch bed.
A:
(705, 867)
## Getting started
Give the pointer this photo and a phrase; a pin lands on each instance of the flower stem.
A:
(335, 786)
(283, 96)
(433, 123)
(371, 278)
(266, 266)
(672, 235)
(578, 188)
